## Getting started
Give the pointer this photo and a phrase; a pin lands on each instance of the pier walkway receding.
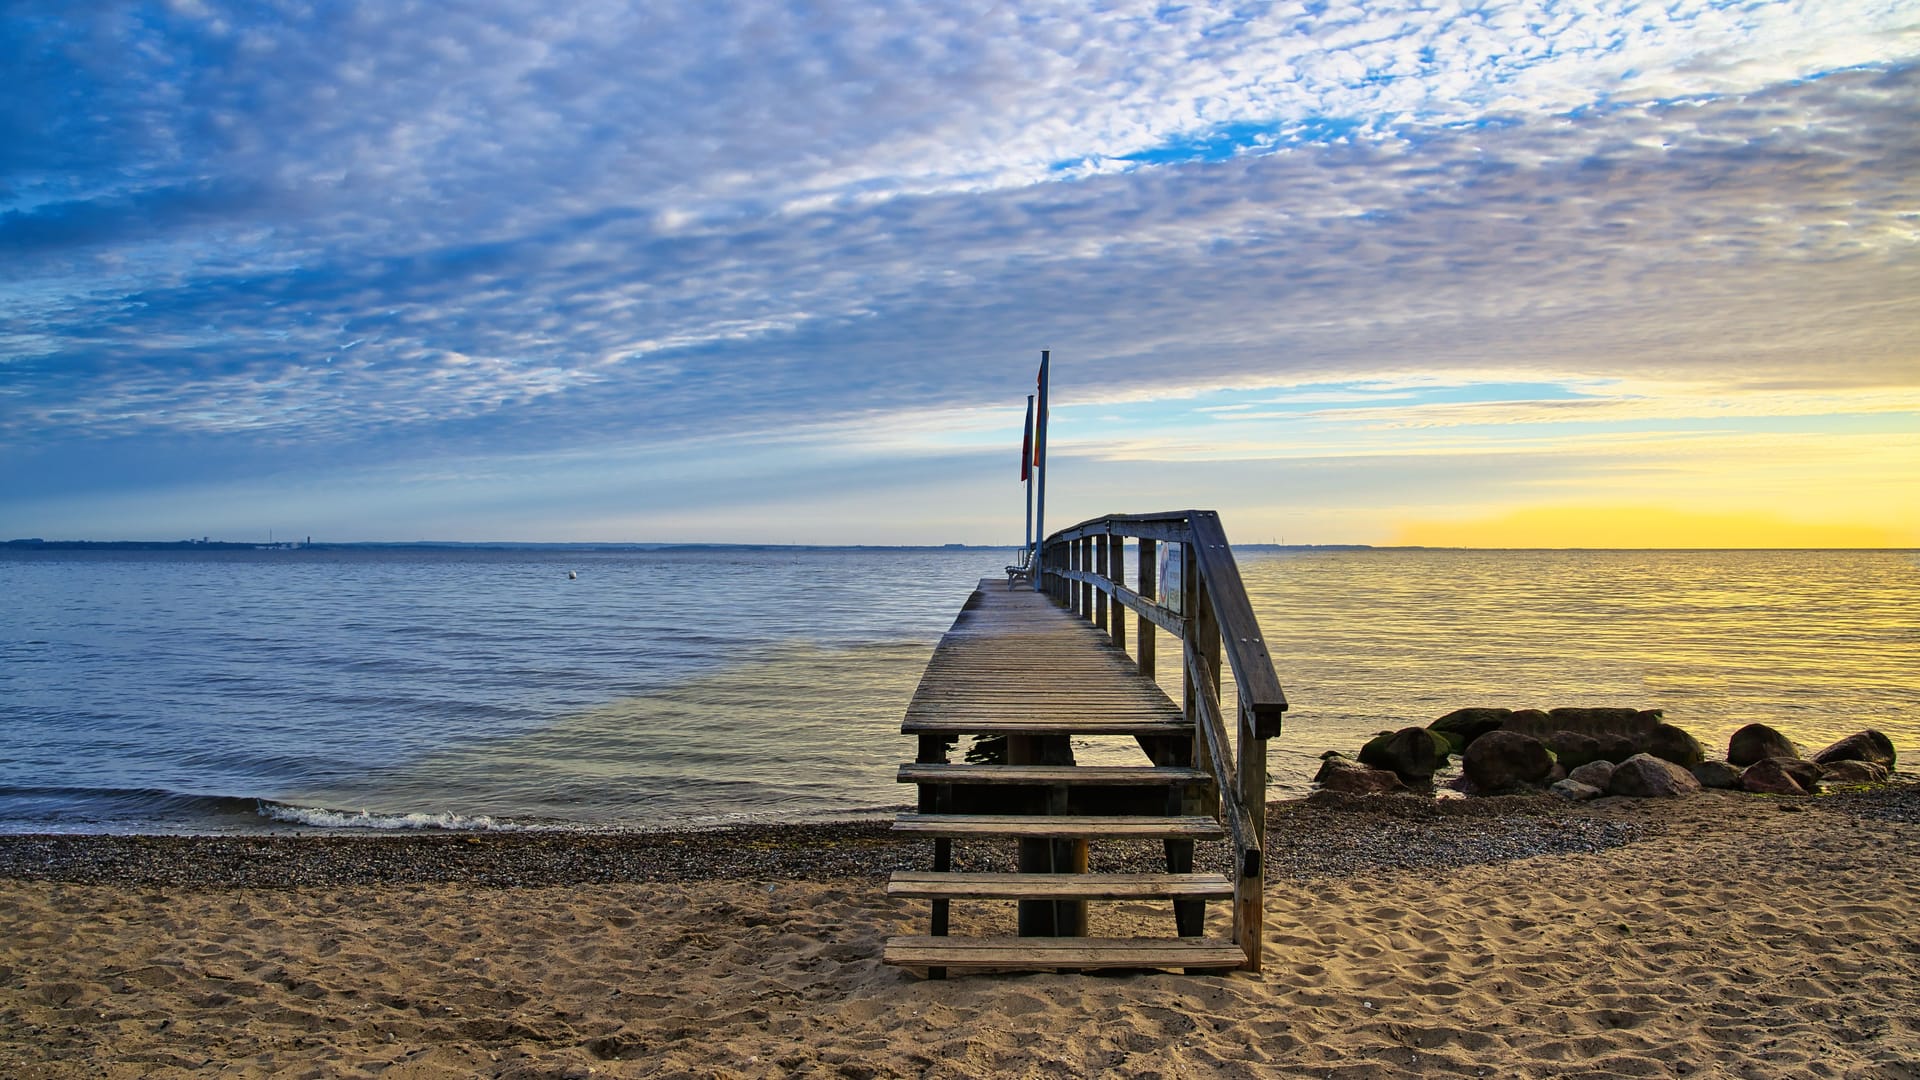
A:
(1049, 665)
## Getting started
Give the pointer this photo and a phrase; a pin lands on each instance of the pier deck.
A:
(1047, 667)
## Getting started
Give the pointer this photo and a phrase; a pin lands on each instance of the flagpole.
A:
(1040, 456)
(1026, 470)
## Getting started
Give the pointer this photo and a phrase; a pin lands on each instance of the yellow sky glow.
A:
(1640, 527)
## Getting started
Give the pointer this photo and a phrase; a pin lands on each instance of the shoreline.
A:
(1326, 835)
(1718, 935)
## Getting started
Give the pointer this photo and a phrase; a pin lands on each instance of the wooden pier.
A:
(1048, 663)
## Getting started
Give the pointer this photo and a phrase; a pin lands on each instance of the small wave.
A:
(320, 817)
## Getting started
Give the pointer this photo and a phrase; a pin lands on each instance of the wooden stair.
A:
(1061, 826)
(1016, 664)
(1071, 953)
(1061, 886)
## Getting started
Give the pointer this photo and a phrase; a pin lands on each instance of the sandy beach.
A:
(1722, 935)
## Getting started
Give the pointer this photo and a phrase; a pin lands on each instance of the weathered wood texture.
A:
(1013, 661)
(1062, 886)
(1028, 953)
(1074, 826)
(1108, 775)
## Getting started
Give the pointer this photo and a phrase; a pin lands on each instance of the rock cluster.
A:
(1586, 753)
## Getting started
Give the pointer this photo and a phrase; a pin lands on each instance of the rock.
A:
(1456, 742)
(1352, 778)
(1573, 749)
(1575, 791)
(1644, 776)
(1603, 721)
(1501, 761)
(1756, 741)
(1868, 745)
(1673, 744)
(1412, 753)
(1594, 774)
(1718, 774)
(1470, 724)
(1330, 754)
(1615, 748)
(1853, 772)
(1781, 776)
(1530, 722)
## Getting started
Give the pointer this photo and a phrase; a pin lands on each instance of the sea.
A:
(402, 689)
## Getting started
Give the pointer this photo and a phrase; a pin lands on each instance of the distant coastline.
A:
(37, 544)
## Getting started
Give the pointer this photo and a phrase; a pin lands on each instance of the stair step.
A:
(1030, 953)
(1050, 774)
(1091, 724)
(1060, 825)
(1061, 886)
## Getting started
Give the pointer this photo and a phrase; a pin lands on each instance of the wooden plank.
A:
(1246, 648)
(1027, 954)
(1060, 886)
(1108, 827)
(1246, 841)
(933, 773)
(1091, 725)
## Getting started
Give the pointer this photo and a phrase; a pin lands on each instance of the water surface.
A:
(215, 691)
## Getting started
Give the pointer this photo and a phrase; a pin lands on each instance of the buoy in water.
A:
(571, 576)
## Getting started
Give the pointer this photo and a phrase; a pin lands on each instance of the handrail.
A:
(1246, 840)
(1081, 568)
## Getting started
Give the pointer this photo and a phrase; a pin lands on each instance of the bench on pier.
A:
(1021, 571)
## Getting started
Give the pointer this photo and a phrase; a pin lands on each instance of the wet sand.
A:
(1722, 935)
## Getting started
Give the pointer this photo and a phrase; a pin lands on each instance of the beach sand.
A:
(1721, 935)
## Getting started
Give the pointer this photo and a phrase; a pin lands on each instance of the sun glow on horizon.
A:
(1646, 527)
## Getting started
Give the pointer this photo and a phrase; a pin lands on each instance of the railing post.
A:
(1073, 587)
(1086, 587)
(1202, 637)
(1117, 560)
(1100, 567)
(1150, 590)
(1249, 896)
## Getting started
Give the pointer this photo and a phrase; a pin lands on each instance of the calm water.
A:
(216, 691)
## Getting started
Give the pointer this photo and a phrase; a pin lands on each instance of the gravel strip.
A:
(1330, 837)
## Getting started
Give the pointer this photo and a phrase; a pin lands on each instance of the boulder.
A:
(1853, 772)
(1603, 721)
(1756, 741)
(1413, 753)
(1673, 744)
(1718, 774)
(1352, 778)
(1615, 748)
(1644, 776)
(1868, 745)
(1532, 722)
(1502, 761)
(1573, 749)
(1781, 776)
(1470, 724)
(1594, 774)
(1575, 791)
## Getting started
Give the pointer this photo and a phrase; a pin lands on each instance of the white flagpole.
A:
(1040, 455)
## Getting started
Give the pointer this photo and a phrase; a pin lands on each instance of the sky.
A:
(1358, 271)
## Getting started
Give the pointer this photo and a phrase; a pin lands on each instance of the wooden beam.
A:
(1246, 648)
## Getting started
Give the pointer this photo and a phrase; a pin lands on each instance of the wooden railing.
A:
(1083, 568)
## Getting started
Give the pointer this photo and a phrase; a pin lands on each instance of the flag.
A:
(1026, 445)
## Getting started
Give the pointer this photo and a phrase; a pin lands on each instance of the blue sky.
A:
(782, 272)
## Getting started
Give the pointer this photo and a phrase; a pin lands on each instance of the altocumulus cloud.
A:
(264, 234)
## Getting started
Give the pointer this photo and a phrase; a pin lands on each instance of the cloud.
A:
(355, 232)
